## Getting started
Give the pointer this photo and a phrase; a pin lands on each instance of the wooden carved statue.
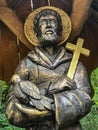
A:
(42, 96)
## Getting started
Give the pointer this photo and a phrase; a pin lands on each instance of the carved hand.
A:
(62, 84)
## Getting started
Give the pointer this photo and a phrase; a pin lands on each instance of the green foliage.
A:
(4, 91)
(94, 83)
(90, 122)
(4, 124)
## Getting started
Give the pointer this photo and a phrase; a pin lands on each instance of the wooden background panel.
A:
(23, 7)
(1, 73)
(23, 50)
(90, 35)
(9, 53)
(93, 38)
(1, 76)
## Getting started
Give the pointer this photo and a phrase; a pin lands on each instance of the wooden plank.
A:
(79, 15)
(9, 53)
(1, 73)
(90, 34)
(23, 50)
(14, 24)
(3, 3)
(13, 3)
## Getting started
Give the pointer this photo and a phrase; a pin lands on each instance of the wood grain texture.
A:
(9, 55)
(14, 24)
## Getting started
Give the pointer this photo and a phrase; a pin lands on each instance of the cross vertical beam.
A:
(77, 50)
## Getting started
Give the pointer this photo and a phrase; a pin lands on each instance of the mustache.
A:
(49, 29)
(42, 39)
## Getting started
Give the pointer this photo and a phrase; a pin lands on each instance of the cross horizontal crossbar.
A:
(77, 50)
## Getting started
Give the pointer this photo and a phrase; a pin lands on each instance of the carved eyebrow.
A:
(44, 19)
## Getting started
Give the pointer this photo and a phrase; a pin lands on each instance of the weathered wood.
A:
(79, 15)
(13, 3)
(77, 50)
(90, 34)
(94, 16)
(1, 66)
(1, 73)
(23, 50)
(3, 3)
(8, 53)
(14, 24)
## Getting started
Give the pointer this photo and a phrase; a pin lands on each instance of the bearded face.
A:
(48, 34)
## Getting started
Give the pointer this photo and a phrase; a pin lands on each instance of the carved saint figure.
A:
(41, 96)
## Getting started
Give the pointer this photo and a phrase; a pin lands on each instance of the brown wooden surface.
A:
(23, 50)
(90, 34)
(1, 70)
(3, 3)
(8, 53)
(79, 15)
(14, 24)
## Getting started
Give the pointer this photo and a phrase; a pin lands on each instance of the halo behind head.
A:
(29, 25)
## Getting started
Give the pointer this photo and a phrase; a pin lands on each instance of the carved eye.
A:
(53, 20)
(47, 21)
(42, 22)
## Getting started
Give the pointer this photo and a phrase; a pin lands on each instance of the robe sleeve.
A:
(72, 105)
(14, 115)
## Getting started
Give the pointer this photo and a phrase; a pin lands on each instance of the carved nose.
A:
(48, 24)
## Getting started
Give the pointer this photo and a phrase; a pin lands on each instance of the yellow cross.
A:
(77, 49)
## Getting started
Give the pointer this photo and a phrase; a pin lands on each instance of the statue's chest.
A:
(42, 74)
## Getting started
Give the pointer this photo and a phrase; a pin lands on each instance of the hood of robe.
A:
(40, 56)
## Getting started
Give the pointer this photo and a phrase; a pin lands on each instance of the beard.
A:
(48, 40)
